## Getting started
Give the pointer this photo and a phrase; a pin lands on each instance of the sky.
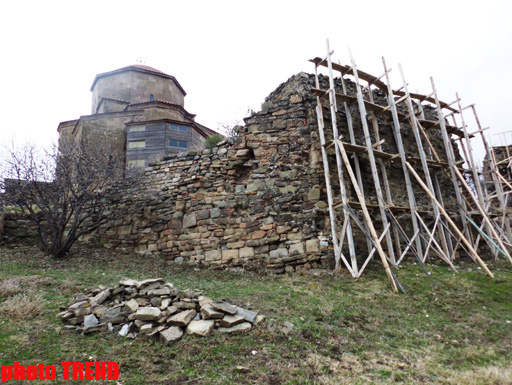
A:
(229, 55)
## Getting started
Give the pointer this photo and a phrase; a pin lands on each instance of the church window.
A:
(137, 144)
(178, 143)
(179, 127)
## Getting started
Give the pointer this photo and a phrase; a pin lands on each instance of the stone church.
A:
(138, 111)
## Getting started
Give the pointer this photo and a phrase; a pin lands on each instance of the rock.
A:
(149, 282)
(165, 303)
(129, 282)
(162, 291)
(240, 328)
(204, 300)
(150, 287)
(185, 305)
(231, 320)
(124, 330)
(147, 313)
(131, 306)
(200, 328)
(100, 298)
(189, 220)
(79, 305)
(172, 334)
(146, 329)
(156, 301)
(90, 321)
(81, 311)
(183, 318)
(208, 312)
(287, 327)
(224, 307)
(259, 319)
(248, 315)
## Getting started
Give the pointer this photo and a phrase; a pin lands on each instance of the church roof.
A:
(139, 68)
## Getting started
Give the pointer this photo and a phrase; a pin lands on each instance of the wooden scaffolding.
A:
(395, 230)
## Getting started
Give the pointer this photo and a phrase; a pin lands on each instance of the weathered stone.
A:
(203, 214)
(149, 282)
(312, 246)
(124, 330)
(162, 291)
(165, 303)
(224, 307)
(182, 318)
(185, 305)
(246, 252)
(296, 248)
(172, 334)
(208, 312)
(231, 320)
(212, 255)
(248, 315)
(259, 319)
(100, 298)
(146, 328)
(90, 321)
(279, 253)
(204, 300)
(147, 313)
(156, 301)
(129, 282)
(229, 254)
(200, 328)
(189, 220)
(314, 194)
(131, 306)
(240, 328)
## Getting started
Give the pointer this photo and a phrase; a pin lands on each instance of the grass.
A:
(456, 330)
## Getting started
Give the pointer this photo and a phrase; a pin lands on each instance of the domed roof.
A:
(139, 68)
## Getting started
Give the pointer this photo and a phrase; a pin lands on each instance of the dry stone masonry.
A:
(154, 308)
(260, 200)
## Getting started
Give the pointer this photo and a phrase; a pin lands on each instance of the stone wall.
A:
(260, 200)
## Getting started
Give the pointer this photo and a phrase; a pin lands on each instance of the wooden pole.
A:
(367, 217)
(371, 156)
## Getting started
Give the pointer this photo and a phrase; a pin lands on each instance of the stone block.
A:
(314, 194)
(246, 252)
(203, 214)
(172, 334)
(279, 253)
(258, 234)
(229, 254)
(296, 248)
(189, 220)
(200, 328)
(212, 255)
(312, 246)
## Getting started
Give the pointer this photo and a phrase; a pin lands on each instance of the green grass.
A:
(452, 331)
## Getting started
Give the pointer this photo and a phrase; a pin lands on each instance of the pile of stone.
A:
(153, 308)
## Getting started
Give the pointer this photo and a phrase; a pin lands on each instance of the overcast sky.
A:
(229, 55)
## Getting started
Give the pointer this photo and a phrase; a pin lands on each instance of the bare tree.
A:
(67, 192)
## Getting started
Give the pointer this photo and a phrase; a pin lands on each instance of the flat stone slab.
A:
(182, 318)
(200, 328)
(174, 333)
(129, 282)
(149, 282)
(148, 313)
(240, 328)
(248, 315)
(224, 307)
(208, 312)
(231, 320)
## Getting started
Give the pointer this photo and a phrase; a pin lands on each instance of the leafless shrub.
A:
(67, 192)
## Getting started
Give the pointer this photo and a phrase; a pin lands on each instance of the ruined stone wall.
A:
(261, 200)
